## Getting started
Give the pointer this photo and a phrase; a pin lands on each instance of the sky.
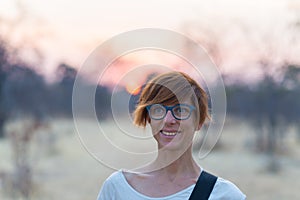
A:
(66, 30)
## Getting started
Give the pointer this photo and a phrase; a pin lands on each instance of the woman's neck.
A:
(172, 163)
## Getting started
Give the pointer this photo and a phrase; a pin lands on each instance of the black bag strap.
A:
(204, 186)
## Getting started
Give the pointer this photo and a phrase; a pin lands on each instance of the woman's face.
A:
(173, 134)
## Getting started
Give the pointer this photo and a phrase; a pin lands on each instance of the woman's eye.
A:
(181, 110)
(158, 110)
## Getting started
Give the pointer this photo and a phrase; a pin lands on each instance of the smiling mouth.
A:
(167, 133)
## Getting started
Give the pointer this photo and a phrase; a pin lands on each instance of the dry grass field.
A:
(63, 169)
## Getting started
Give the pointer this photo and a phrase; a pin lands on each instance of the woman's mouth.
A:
(169, 133)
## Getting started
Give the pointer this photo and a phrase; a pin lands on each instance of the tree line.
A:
(24, 92)
(270, 105)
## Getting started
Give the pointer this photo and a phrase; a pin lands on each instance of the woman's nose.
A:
(169, 118)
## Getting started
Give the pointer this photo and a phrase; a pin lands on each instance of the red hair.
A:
(171, 88)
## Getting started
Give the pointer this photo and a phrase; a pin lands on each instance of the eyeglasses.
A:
(179, 111)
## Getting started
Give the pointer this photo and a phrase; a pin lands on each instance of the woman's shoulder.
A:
(115, 177)
(225, 189)
(123, 177)
(114, 180)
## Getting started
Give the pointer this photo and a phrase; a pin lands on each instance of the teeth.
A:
(169, 133)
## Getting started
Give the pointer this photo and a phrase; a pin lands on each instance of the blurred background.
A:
(255, 45)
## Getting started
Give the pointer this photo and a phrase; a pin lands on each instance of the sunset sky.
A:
(66, 30)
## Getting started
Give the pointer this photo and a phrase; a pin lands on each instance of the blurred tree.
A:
(3, 64)
(271, 106)
(22, 96)
(61, 94)
(102, 102)
(61, 91)
(24, 92)
(291, 81)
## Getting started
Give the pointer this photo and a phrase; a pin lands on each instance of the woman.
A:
(176, 107)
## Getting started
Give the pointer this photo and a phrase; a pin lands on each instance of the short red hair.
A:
(171, 88)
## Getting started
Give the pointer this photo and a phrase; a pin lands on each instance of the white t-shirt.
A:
(116, 187)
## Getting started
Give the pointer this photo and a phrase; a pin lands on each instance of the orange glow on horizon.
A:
(133, 88)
